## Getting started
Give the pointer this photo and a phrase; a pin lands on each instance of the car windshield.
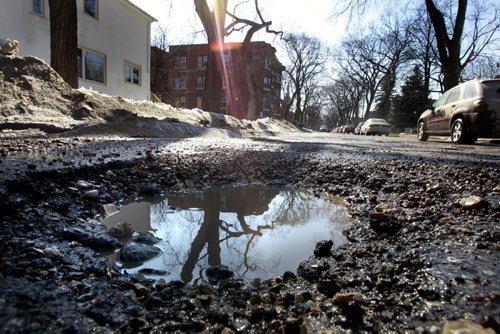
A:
(378, 121)
(492, 88)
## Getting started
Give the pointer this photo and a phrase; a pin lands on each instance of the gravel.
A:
(422, 252)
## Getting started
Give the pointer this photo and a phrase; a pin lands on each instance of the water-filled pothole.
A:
(256, 231)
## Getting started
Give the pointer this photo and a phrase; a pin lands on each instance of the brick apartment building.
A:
(186, 81)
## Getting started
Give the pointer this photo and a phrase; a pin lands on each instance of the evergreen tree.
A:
(384, 98)
(412, 102)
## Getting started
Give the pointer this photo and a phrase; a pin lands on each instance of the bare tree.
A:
(422, 49)
(483, 67)
(307, 62)
(453, 60)
(461, 32)
(372, 60)
(64, 39)
(286, 101)
(395, 40)
(252, 27)
(363, 64)
(342, 100)
(162, 63)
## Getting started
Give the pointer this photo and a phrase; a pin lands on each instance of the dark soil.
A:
(418, 257)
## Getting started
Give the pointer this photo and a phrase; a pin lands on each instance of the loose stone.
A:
(472, 202)
(91, 194)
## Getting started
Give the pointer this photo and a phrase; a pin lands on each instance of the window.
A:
(266, 104)
(223, 101)
(470, 91)
(491, 89)
(268, 62)
(91, 65)
(202, 61)
(225, 55)
(37, 7)
(90, 8)
(180, 62)
(180, 82)
(132, 73)
(199, 102)
(200, 82)
(267, 82)
(180, 102)
(441, 101)
(454, 95)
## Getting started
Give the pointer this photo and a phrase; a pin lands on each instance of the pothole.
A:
(257, 231)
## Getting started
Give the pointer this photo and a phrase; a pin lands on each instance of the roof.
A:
(139, 10)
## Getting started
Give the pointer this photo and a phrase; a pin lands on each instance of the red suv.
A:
(466, 112)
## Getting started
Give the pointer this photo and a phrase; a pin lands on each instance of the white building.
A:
(113, 42)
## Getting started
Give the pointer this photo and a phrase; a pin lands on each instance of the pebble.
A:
(122, 230)
(465, 327)
(91, 194)
(382, 207)
(433, 187)
(472, 202)
(84, 184)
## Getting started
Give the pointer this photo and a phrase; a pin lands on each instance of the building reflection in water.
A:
(257, 231)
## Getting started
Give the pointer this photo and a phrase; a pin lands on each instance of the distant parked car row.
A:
(372, 126)
(348, 128)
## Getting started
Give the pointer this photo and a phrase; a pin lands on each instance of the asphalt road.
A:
(405, 147)
(18, 156)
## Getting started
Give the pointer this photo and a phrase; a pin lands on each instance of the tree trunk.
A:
(213, 84)
(213, 23)
(448, 48)
(298, 107)
(64, 39)
(251, 112)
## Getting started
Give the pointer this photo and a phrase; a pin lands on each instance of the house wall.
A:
(191, 93)
(17, 21)
(121, 32)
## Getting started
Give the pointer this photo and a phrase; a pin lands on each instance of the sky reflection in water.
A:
(257, 231)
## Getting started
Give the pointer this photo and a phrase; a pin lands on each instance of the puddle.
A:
(256, 231)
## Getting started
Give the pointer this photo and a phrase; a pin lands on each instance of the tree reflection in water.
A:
(257, 231)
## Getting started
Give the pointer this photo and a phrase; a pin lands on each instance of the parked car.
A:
(348, 128)
(324, 128)
(357, 129)
(465, 112)
(375, 126)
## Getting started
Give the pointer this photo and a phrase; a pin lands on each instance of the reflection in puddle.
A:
(256, 231)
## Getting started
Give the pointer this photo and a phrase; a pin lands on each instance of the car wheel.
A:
(458, 134)
(421, 134)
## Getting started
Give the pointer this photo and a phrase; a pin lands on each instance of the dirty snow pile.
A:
(34, 96)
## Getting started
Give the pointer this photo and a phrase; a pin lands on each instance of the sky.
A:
(310, 16)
